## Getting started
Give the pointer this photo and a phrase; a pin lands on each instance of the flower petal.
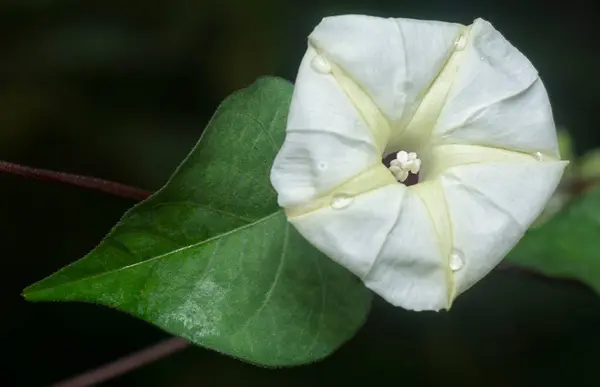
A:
(354, 235)
(443, 157)
(310, 164)
(393, 60)
(386, 238)
(318, 104)
(467, 101)
(326, 142)
(491, 206)
(497, 99)
(410, 270)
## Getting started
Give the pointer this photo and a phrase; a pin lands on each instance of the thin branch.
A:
(126, 364)
(105, 186)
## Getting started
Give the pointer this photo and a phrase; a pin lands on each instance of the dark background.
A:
(122, 90)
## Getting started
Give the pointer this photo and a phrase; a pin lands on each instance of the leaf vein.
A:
(165, 255)
(262, 127)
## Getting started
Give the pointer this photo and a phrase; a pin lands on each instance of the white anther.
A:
(416, 167)
(403, 164)
(402, 157)
(395, 169)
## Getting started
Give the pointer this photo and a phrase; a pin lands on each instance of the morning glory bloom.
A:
(455, 108)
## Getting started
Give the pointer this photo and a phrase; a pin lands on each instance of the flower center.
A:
(405, 166)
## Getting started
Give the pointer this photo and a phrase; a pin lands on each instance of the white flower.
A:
(458, 105)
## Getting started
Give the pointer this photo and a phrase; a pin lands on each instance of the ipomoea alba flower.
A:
(460, 106)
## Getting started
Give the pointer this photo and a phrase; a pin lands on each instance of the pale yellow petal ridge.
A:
(443, 157)
(372, 178)
(432, 196)
(419, 129)
(492, 205)
(419, 125)
(498, 99)
(378, 125)
(354, 235)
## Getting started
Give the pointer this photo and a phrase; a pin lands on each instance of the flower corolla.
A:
(459, 108)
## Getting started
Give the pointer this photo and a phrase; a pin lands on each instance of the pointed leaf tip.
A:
(211, 258)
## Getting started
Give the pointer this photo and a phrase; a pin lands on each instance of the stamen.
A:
(403, 164)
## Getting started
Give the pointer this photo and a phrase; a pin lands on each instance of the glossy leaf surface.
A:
(211, 257)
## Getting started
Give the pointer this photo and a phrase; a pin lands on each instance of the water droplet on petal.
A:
(320, 65)
(539, 156)
(460, 43)
(322, 165)
(341, 201)
(457, 261)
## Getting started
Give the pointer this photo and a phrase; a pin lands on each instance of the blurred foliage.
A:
(122, 90)
(567, 245)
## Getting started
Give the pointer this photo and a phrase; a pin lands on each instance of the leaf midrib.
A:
(206, 207)
(26, 294)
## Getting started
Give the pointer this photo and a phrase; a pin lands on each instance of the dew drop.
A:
(539, 156)
(460, 43)
(481, 58)
(456, 261)
(322, 165)
(320, 65)
(341, 201)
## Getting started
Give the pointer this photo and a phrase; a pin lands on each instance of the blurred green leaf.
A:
(565, 144)
(589, 165)
(567, 245)
(211, 257)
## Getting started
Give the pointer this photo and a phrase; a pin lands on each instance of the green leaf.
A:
(567, 245)
(589, 165)
(212, 258)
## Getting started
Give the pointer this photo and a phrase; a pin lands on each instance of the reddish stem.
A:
(105, 186)
(581, 186)
(126, 364)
